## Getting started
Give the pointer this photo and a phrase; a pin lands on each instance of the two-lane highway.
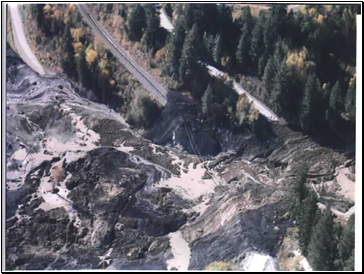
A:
(20, 40)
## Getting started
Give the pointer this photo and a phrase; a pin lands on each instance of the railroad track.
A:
(158, 91)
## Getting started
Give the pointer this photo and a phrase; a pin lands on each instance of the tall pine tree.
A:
(350, 102)
(306, 221)
(188, 61)
(335, 102)
(262, 64)
(269, 74)
(84, 74)
(246, 18)
(257, 42)
(136, 22)
(280, 93)
(67, 62)
(242, 52)
(308, 112)
(217, 50)
(208, 40)
(346, 246)
(153, 23)
(335, 97)
(207, 100)
(322, 248)
(175, 46)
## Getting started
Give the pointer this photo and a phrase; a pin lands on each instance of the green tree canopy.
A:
(242, 52)
(322, 248)
(306, 221)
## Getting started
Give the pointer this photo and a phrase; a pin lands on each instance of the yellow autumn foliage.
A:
(218, 266)
(297, 58)
(254, 114)
(312, 12)
(298, 62)
(77, 33)
(303, 10)
(77, 46)
(352, 80)
(161, 55)
(47, 9)
(226, 62)
(58, 14)
(243, 103)
(91, 56)
(105, 73)
(245, 110)
(319, 19)
(72, 7)
(102, 63)
(67, 18)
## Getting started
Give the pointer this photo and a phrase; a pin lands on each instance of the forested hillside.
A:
(306, 59)
(302, 64)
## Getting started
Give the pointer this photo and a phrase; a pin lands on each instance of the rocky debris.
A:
(181, 124)
(101, 201)
(110, 209)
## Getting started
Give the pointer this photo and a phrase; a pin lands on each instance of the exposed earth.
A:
(86, 191)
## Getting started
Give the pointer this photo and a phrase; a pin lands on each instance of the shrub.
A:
(143, 112)
(218, 266)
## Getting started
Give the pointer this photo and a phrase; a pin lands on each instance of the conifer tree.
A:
(153, 23)
(136, 22)
(346, 246)
(189, 15)
(217, 50)
(257, 43)
(308, 111)
(335, 97)
(246, 18)
(168, 9)
(175, 46)
(279, 53)
(350, 102)
(262, 65)
(322, 247)
(269, 74)
(67, 61)
(306, 221)
(269, 36)
(207, 100)
(242, 52)
(280, 92)
(350, 263)
(189, 56)
(84, 74)
(278, 18)
(333, 112)
(301, 190)
(208, 41)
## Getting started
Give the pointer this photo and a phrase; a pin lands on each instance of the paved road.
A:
(20, 40)
(156, 89)
(261, 107)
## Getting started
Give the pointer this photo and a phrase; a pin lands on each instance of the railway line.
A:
(156, 89)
